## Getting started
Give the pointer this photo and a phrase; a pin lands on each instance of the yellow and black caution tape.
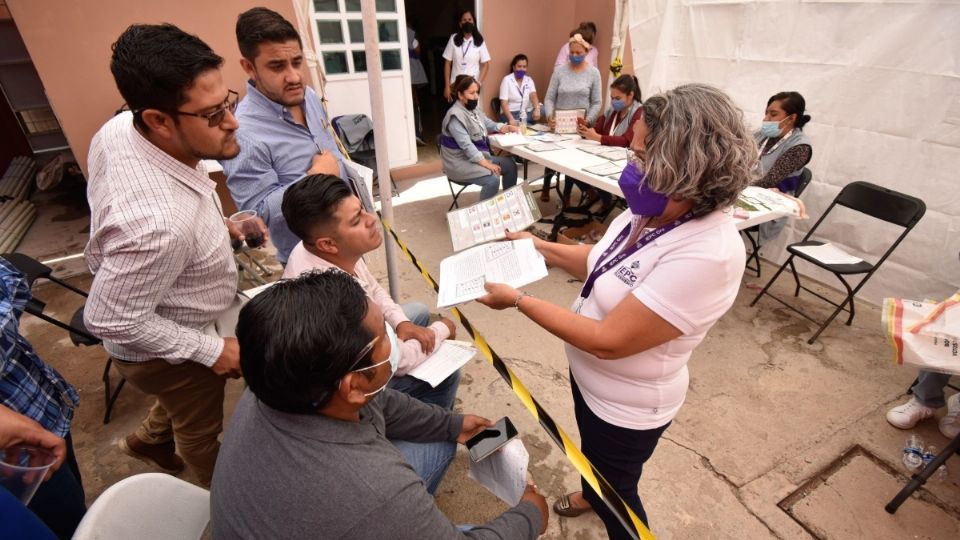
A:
(627, 517)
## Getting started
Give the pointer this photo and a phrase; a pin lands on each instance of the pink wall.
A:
(69, 43)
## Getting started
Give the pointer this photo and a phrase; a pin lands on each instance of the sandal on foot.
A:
(562, 507)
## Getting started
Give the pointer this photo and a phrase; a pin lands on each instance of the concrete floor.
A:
(778, 439)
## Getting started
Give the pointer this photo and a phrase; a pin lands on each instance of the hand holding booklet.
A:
(448, 357)
(462, 276)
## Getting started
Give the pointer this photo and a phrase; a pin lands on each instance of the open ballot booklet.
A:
(462, 276)
(488, 220)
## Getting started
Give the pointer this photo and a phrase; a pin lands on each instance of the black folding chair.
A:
(450, 183)
(34, 270)
(875, 201)
(753, 233)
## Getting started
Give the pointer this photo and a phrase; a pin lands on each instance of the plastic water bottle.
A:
(913, 453)
(928, 456)
(523, 122)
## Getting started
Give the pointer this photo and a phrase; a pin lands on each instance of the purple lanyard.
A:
(463, 52)
(522, 87)
(637, 246)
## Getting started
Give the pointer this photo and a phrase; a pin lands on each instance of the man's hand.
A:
(450, 326)
(499, 296)
(237, 234)
(407, 330)
(472, 424)
(531, 494)
(16, 428)
(324, 163)
(228, 363)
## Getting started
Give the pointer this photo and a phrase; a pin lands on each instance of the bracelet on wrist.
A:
(516, 302)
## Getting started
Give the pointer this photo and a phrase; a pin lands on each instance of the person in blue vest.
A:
(784, 150)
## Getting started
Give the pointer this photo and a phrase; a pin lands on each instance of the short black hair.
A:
(299, 337)
(311, 202)
(792, 103)
(155, 64)
(261, 25)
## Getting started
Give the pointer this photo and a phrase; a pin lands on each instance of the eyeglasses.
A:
(215, 118)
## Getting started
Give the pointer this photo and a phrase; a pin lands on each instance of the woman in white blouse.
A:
(466, 54)
(662, 275)
(518, 94)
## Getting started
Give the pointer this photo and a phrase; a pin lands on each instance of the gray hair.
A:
(697, 146)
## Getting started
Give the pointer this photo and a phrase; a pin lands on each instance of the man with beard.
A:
(285, 133)
(164, 274)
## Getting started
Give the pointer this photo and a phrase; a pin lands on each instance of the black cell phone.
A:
(492, 439)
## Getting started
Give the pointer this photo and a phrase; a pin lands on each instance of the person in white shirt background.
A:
(518, 94)
(465, 54)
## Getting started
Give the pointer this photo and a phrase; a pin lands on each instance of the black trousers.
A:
(619, 454)
(59, 502)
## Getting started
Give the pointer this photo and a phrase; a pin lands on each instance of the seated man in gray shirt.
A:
(307, 453)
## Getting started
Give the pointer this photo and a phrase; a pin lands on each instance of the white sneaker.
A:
(907, 415)
(950, 423)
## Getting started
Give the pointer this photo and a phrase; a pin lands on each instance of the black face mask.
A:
(467, 27)
(472, 104)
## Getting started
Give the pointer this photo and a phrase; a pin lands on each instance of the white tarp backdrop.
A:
(882, 83)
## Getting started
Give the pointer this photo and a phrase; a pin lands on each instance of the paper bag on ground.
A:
(504, 472)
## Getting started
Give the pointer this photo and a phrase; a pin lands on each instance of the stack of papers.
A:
(506, 140)
(829, 254)
(462, 276)
(447, 358)
(605, 169)
(543, 147)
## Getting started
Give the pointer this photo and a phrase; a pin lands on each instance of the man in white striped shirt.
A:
(159, 250)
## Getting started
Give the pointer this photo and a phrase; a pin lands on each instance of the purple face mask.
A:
(642, 200)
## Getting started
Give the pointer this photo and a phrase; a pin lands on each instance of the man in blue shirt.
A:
(33, 389)
(284, 133)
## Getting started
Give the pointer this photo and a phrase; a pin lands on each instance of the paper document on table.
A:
(566, 120)
(829, 254)
(504, 472)
(488, 220)
(448, 357)
(613, 153)
(755, 199)
(604, 169)
(543, 147)
(509, 139)
(543, 128)
(553, 137)
(516, 263)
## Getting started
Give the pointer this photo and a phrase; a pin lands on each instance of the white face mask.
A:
(394, 359)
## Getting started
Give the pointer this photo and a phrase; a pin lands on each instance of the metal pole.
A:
(371, 40)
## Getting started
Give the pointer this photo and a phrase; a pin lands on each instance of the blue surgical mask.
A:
(642, 200)
(618, 104)
(770, 129)
(577, 59)
(520, 73)
(394, 359)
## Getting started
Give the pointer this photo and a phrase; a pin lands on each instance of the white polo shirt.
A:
(517, 95)
(690, 277)
(466, 58)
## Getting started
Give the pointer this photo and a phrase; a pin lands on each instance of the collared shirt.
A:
(275, 152)
(411, 352)
(28, 385)
(159, 251)
(465, 59)
(517, 95)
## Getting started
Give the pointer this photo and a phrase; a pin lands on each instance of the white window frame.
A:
(348, 48)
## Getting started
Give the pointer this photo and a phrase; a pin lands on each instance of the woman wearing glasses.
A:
(663, 274)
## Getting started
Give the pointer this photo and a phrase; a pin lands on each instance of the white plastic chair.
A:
(150, 506)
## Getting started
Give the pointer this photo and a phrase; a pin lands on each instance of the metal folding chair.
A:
(870, 199)
(34, 270)
(753, 233)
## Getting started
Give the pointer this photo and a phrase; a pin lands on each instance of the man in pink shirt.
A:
(336, 233)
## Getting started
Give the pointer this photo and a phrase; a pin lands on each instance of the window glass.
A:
(330, 31)
(335, 63)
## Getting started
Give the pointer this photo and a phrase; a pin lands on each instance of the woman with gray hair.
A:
(662, 275)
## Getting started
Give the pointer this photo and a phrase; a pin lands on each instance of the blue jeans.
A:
(490, 184)
(516, 114)
(429, 460)
(929, 388)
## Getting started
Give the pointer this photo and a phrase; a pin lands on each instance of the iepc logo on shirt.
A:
(626, 276)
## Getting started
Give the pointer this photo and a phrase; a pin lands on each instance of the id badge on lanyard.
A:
(641, 242)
